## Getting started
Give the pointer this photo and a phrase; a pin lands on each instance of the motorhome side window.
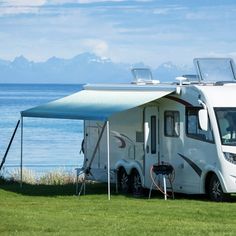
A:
(171, 123)
(153, 134)
(193, 129)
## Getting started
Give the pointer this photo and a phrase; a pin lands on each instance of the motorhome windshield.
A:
(215, 69)
(226, 118)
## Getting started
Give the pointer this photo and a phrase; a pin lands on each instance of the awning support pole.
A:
(108, 161)
(21, 154)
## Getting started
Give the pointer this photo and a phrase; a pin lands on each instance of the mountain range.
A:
(83, 68)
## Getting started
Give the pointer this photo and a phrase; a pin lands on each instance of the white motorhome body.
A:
(167, 130)
(189, 125)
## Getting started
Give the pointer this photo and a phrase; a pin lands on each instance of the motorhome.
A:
(190, 124)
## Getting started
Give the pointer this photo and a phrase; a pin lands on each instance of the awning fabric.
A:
(94, 104)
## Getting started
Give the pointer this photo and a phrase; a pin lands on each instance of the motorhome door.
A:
(150, 140)
(92, 136)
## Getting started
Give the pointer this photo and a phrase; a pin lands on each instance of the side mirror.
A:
(203, 119)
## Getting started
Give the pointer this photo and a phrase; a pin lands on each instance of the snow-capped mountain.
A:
(168, 71)
(83, 68)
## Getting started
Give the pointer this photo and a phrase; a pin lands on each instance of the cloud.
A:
(55, 2)
(161, 11)
(99, 47)
(13, 7)
(217, 54)
(96, 1)
(28, 3)
(200, 15)
(127, 31)
(170, 9)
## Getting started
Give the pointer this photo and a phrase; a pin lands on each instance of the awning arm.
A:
(96, 148)
(87, 170)
(9, 145)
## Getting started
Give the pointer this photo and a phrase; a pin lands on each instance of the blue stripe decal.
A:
(192, 164)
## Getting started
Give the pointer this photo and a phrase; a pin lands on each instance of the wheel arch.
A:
(208, 177)
(207, 180)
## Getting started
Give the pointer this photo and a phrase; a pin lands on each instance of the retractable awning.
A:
(95, 104)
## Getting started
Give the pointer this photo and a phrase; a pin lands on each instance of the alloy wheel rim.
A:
(216, 190)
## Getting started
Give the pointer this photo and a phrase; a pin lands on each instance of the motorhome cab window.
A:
(193, 129)
(171, 123)
(226, 119)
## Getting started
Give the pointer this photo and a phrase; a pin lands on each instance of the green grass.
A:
(55, 210)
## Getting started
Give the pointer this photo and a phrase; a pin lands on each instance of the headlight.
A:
(231, 157)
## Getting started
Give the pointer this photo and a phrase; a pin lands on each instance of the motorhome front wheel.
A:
(215, 190)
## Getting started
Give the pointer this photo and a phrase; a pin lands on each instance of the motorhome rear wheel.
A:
(123, 181)
(136, 184)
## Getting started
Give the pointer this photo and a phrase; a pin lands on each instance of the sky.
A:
(146, 31)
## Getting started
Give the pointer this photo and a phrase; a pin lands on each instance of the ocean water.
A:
(48, 143)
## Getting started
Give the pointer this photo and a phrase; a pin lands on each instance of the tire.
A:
(215, 190)
(123, 181)
(136, 184)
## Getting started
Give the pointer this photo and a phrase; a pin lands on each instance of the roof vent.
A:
(143, 76)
